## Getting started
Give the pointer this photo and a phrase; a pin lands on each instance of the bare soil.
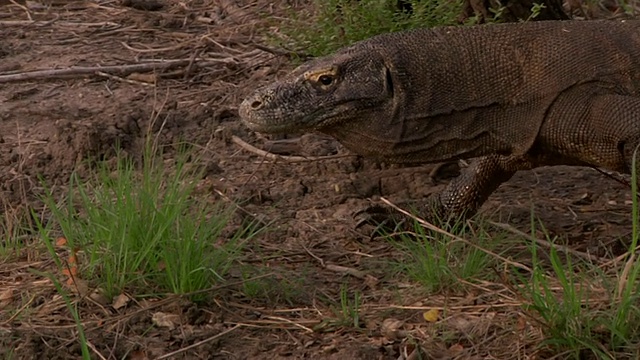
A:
(52, 123)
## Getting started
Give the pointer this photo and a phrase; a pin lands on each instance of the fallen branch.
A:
(616, 260)
(121, 70)
(60, 23)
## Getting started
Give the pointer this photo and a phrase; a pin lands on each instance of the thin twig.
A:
(164, 49)
(298, 325)
(118, 78)
(547, 244)
(611, 176)
(194, 345)
(26, 10)
(619, 258)
(313, 255)
(192, 59)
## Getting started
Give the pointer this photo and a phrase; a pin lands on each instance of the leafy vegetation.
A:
(337, 23)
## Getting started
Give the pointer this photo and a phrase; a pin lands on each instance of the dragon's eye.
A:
(326, 80)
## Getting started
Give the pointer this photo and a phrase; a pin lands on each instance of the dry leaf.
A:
(431, 315)
(463, 322)
(455, 349)
(6, 297)
(471, 324)
(146, 78)
(98, 295)
(390, 329)
(120, 301)
(371, 281)
(165, 320)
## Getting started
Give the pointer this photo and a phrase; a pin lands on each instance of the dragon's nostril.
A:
(256, 104)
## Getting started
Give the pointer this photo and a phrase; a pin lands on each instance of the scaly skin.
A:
(511, 96)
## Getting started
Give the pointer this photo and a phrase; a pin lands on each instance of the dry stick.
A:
(62, 23)
(619, 258)
(166, 356)
(118, 78)
(271, 156)
(432, 227)
(298, 325)
(547, 244)
(93, 70)
(165, 49)
(313, 255)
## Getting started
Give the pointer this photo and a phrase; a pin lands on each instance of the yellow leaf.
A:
(431, 315)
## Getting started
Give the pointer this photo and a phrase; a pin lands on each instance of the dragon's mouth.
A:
(269, 121)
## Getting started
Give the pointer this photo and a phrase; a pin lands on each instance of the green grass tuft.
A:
(438, 262)
(147, 231)
(577, 320)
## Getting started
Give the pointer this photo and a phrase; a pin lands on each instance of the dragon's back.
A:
(454, 68)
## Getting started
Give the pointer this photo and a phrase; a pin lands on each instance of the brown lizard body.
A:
(514, 96)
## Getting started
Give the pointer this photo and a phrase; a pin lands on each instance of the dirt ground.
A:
(52, 121)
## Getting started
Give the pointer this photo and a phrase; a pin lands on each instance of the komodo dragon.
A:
(514, 96)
